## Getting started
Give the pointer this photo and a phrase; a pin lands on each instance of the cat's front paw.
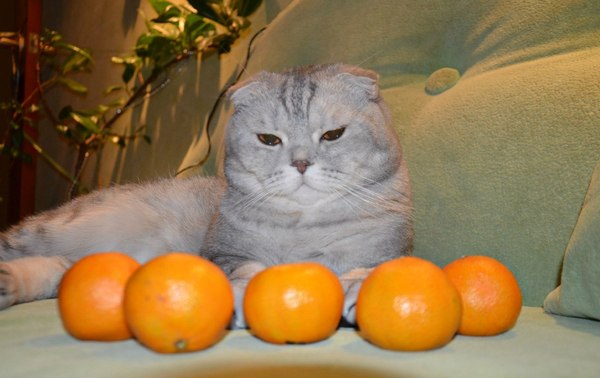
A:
(349, 312)
(239, 288)
(239, 280)
(8, 286)
(352, 281)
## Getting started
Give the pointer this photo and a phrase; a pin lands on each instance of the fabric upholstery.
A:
(579, 291)
(33, 344)
(502, 149)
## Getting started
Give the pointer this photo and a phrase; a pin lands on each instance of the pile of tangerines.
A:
(180, 302)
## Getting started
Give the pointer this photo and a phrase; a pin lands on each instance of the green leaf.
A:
(160, 49)
(64, 131)
(112, 88)
(195, 27)
(15, 126)
(246, 7)
(170, 14)
(62, 128)
(117, 103)
(142, 46)
(73, 85)
(99, 110)
(224, 42)
(51, 36)
(88, 122)
(65, 113)
(34, 108)
(208, 9)
(159, 6)
(75, 62)
(77, 50)
(128, 72)
(167, 30)
(8, 105)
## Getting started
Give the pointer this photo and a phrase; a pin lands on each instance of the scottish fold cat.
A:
(313, 171)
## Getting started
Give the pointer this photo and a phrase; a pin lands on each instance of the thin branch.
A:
(218, 101)
(56, 165)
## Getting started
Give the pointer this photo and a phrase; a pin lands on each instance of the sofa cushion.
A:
(579, 291)
(500, 173)
(496, 103)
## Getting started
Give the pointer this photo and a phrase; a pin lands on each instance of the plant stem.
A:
(211, 115)
(83, 154)
(56, 165)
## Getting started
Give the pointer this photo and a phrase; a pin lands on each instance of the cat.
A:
(313, 170)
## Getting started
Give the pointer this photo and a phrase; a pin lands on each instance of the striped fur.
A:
(313, 169)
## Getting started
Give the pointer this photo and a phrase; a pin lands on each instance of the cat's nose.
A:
(301, 165)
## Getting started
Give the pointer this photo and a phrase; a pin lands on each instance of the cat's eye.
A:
(269, 139)
(333, 134)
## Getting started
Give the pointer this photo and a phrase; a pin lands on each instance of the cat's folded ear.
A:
(243, 92)
(240, 91)
(362, 79)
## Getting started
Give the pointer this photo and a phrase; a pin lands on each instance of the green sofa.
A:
(497, 103)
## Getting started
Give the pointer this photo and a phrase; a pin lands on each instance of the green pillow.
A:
(579, 291)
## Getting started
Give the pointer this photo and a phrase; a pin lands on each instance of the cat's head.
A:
(309, 134)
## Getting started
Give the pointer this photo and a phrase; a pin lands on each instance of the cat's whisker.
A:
(245, 199)
(377, 184)
(368, 193)
(253, 201)
(260, 193)
(353, 207)
(256, 199)
(267, 195)
(371, 182)
(373, 199)
(361, 193)
(362, 207)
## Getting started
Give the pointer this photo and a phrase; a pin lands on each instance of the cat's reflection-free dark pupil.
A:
(269, 139)
(333, 134)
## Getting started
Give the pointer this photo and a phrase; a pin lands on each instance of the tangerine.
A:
(178, 302)
(490, 294)
(90, 297)
(408, 304)
(294, 303)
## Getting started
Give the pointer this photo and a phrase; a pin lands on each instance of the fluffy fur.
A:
(313, 171)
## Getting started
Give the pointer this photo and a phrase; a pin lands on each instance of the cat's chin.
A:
(306, 196)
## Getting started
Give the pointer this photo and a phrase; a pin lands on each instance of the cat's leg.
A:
(351, 281)
(239, 280)
(30, 278)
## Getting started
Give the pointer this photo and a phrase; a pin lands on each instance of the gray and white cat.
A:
(313, 171)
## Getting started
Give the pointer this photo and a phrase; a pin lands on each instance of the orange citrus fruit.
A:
(490, 294)
(178, 302)
(90, 297)
(408, 304)
(294, 303)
